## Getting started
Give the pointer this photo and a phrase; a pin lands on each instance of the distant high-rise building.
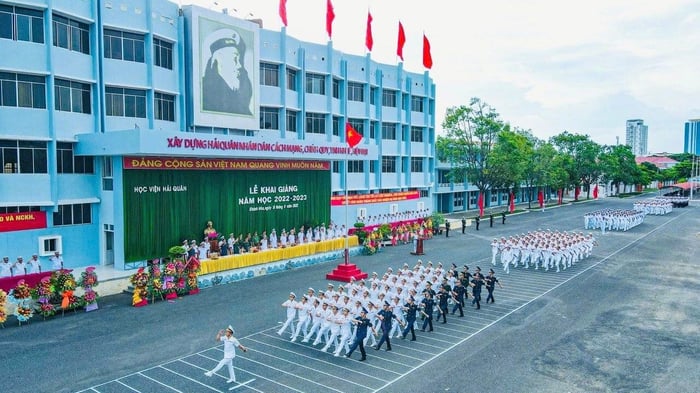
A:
(691, 136)
(637, 136)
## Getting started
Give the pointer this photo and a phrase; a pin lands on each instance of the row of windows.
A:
(23, 24)
(388, 165)
(316, 124)
(316, 84)
(31, 157)
(29, 91)
(80, 213)
(26, 91)
(18, 209)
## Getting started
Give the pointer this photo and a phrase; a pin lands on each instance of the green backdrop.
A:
(162, 208)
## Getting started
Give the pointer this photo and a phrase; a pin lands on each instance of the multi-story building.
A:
(636, 137)
(690, 137)
(126, 126)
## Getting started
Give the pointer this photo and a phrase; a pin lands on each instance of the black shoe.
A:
(461, 315)
(347, 355)
(478, 308)
(362, 359)
(388, 349)
(430, 330)
(413, 339)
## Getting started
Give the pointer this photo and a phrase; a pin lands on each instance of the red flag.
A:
(352, 137)
(540, 198)
(595, 192)
(512, 202)
(480, 203)
(369, 41)
(330, 15)
(427, 58)
(283, 11)
(560, 197)
(577, 192)
(401, 42)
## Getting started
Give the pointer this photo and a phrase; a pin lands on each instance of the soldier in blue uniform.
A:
(427, 305)
(458, 293)
(491, 282)
(442, 296)
(476, 284)
(385, 317)
(362, 323)
(410, 308)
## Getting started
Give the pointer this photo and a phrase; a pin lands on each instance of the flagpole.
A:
(347, 207)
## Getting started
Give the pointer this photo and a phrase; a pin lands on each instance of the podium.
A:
(344, 271)
(419, 247)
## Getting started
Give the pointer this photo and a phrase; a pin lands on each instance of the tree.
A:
(471, 133)
(510, 158)
(584, 168)
(540, 165)
(619, 165)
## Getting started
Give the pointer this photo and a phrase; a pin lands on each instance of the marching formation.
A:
(390, 306)
(612, 219)
(549, 249)
(656, 207)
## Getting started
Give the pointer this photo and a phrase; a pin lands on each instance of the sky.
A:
(543, 65)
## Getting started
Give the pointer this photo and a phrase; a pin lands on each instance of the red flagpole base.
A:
(346, 270)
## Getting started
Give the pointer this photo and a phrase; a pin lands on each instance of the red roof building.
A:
(660, 161)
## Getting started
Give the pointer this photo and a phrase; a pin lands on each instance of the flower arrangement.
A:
(21, 291)
(139, 280)
(191, 269)
(23, 313)
(170, 275)
(45, 292)
(156, 282)
(3, 310)
(88, 278)
(62, 281)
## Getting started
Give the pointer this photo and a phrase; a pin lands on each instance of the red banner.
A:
(22, 221)
(374, 198)
(171, 163)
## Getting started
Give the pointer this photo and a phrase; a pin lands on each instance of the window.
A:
(125, 102)
(372, 166)
(107, 176)
(494, 197)
(23, 156)
(164, 106)
(389, 131)
(26, 91)
(163, 53)
(372, 95)
(336, 126)
(389, 98)
(388, 164)
(372, 129)
(72, 214)
(72, 96)
(121, 45)
(21, 24)
(316, 84)
(336, 88)
(269, 74)
(356, 92)
(459, 199)
(18, 209)
(292, 120)
(315, 123)
(416, 164)
(335, 167)
(67, 162)
(356, 166)
(48, 245)
(358, 125)
(71, 34)
(417, 104)
(416, 134)
(404, 101)
(291, 79)
(269, 118)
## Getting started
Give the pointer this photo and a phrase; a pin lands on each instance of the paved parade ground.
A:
(622, 320)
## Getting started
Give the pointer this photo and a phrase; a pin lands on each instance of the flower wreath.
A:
(45, 291)
(3, 311)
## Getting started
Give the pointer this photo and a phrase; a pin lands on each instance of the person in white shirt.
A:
(290, 304)
(230, 344)
(304, 310)
(5, 267)
(56, 261)
(19, 267)
(34, 265)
